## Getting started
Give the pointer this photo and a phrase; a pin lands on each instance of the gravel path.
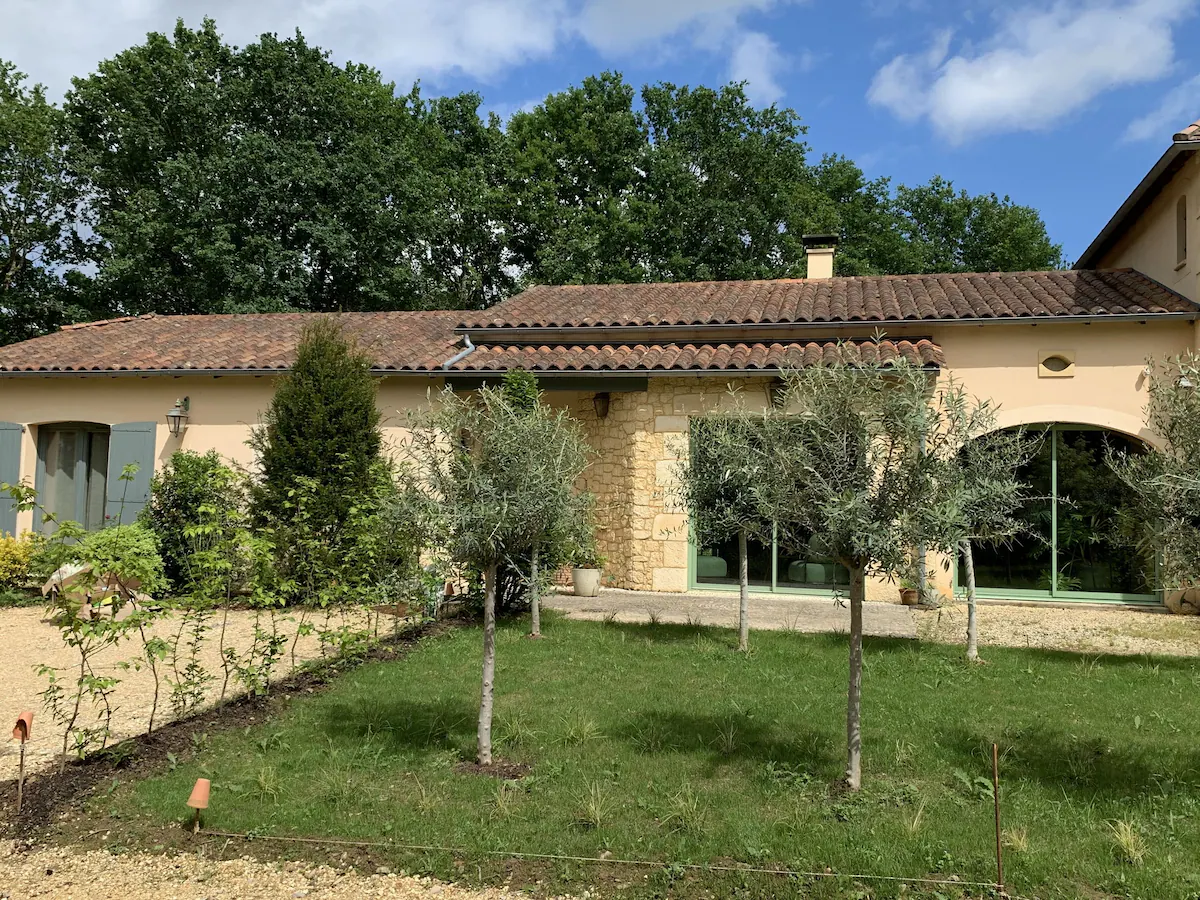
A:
(1085, 629)
(65, 875)
(27, 640)
(780, 613)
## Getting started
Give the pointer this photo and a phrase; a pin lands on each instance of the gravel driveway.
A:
(28, 640)
(63, 874)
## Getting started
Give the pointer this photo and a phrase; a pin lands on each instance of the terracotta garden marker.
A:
(199, 800)
(21, 732)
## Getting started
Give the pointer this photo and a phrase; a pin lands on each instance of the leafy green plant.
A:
(189, 486)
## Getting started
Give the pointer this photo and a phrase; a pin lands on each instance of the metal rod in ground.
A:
(21, 778)
(996, 800)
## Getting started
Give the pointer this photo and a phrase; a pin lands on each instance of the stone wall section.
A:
(642, 528)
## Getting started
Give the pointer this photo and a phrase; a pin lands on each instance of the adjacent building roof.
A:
(1184, 144)
(553, 329)
(871, 299)
(230, 343)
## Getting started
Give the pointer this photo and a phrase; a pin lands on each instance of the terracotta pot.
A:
(909, 596)
(586, 582)
(199, 798)
(24, 729)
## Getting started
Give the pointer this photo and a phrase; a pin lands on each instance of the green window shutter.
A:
(10, 471)
(131, 442)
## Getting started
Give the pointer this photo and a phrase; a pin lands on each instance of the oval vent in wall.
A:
(1056, 363)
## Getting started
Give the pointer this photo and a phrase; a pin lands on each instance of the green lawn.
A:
(662, 743)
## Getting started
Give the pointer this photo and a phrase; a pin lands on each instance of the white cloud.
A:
(1037, 68)
(53, 40)
(1179, 108)
(757, 61)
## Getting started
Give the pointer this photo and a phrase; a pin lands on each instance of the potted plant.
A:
(909, 595)
(586, 568)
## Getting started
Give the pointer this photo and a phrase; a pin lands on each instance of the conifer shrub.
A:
(322, 424)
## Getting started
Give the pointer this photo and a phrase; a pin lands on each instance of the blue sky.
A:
(1063, 105)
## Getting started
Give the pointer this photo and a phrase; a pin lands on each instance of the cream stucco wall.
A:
(1149, 245)
(642, 530)
(223, 410)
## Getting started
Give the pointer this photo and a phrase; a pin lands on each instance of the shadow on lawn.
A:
(409, 724)
(729, 738)
(1088, 764)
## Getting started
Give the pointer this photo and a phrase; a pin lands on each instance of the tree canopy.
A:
(188, 175)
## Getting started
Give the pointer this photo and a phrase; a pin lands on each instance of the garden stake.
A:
(21, 732)
(996, 800)
(198, 801)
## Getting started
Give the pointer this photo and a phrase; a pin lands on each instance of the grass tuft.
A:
(1128, 845)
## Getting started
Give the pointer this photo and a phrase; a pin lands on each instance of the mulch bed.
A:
(49, 794)
(506, 771)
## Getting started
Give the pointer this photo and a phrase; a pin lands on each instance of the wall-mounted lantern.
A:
(177, 416)
(600, 404)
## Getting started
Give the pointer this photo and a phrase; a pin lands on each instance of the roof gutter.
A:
(1145, 191)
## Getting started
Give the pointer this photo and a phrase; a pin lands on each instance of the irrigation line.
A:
(757, 870)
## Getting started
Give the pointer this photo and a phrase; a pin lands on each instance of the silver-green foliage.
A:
(1166, 481)
(499, 479)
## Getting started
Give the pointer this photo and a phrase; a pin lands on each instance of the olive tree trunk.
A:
(922, 576)
(744, 592)
(854, 698)
(972, 622)
(535, 599)
(489, 666)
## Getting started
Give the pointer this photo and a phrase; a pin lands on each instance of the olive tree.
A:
(500, 478)
(718, 485)
(1164, 518)
(980, 488)
(856, 453)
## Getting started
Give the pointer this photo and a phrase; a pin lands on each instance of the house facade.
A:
(634, 364)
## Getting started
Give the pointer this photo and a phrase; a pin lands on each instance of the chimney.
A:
(819, 248)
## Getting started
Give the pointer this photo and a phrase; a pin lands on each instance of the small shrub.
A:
(16, 561)
(186, 485)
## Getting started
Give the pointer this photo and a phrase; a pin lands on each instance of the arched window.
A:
(1181, 231)
(1076, 546)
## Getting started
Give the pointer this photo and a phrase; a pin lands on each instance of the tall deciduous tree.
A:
(37, 212)
(578, 166)
(262, 178)
(855, 457)
(719, 484)
(500, 475)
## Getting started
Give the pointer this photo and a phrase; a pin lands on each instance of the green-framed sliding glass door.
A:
(770, 566)
(1074, 551)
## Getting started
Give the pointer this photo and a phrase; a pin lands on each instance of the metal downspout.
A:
(468, 349)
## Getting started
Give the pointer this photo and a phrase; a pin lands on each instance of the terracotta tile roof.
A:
(692, 357)
(1191, 133)
(397, 341)
(888, 298)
